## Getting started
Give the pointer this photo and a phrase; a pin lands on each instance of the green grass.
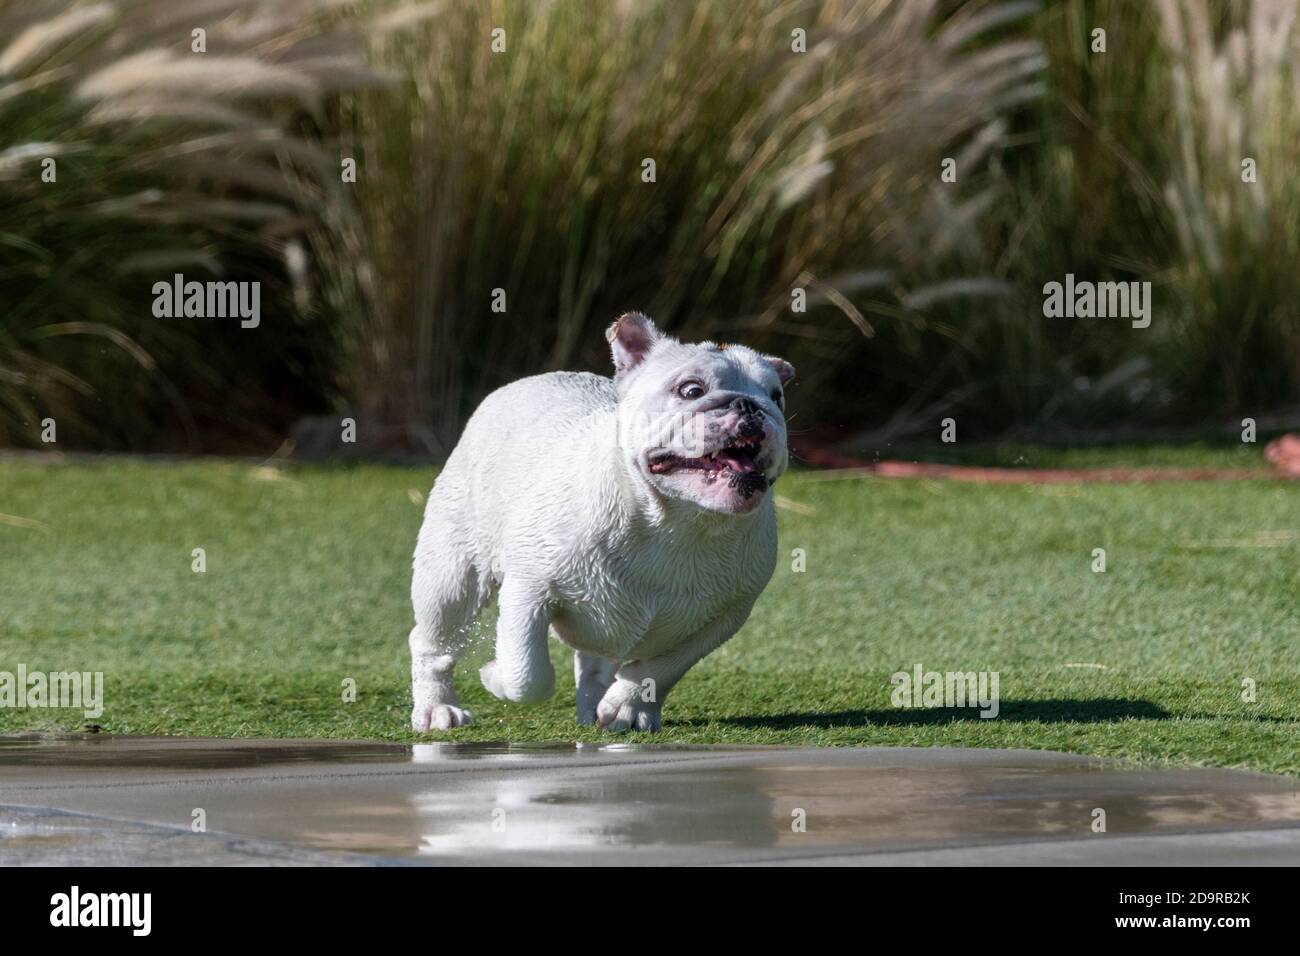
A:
(308, 569)
(1220, 453)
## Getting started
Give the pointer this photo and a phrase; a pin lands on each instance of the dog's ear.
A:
(784, 370)
(631, 338)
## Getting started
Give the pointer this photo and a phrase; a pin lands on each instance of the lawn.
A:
(307, 570)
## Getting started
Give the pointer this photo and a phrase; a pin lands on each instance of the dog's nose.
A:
(751, 418)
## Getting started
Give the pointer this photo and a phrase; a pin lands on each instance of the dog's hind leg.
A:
(522, 670)
(448, 593)
(593, 675)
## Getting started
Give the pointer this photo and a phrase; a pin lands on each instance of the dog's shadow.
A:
(1091, 711)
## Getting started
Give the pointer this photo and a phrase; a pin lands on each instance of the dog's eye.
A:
(776, 395)
(690, 390)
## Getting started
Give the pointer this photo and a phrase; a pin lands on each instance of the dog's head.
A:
(701, 422)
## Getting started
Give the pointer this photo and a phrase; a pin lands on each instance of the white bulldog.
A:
(632, 517)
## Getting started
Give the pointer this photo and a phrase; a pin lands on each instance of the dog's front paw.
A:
(489, 676)
(532, 690)
(625, 707)
(439, 717)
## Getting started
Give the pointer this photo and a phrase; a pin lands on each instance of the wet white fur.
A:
(541, 503)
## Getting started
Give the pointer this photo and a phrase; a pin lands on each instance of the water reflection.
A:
(603, 809)
(493, 801)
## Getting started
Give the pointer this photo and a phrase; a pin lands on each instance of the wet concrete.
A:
(104, 799)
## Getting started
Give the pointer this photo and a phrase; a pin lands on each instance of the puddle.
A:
(498, 802)
(88, 751)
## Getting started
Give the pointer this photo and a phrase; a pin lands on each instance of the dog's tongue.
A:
(740, 463)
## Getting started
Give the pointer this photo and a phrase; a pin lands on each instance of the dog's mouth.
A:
(737, 459)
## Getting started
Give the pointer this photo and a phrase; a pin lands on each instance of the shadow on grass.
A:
(1094, 711)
